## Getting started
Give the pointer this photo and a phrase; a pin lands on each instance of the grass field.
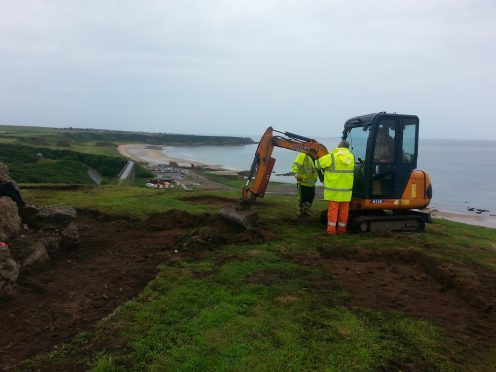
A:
(275, 305)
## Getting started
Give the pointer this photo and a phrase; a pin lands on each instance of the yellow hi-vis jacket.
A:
(338, 169)
(303, 167)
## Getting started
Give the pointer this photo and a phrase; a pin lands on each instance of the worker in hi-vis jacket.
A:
(305, 173)
(338, 167)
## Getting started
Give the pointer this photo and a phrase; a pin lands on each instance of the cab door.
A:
(407, 152)
(384, 155)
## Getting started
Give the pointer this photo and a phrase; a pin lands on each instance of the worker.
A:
(338, 169)
(384, 147)
(305, 173)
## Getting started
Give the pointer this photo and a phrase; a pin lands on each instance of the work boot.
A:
(331, 231)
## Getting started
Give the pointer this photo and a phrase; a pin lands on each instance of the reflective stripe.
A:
(339, 171)
(340, 190)
(298, 165)
(331, 223)
(341, 224)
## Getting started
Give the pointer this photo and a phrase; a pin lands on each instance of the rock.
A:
(49, 217)
(52, 245)
(70, 236)
(9, 270)
(37, 258)
(10, 221)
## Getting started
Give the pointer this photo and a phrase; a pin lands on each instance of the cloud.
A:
(234, 66)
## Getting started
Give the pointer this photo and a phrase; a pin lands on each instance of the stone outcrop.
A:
(70, 236)
(49, 217)
(10, 221)
(9, 270)
(31, 236)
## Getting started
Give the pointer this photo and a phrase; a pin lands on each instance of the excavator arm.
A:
(263, 163)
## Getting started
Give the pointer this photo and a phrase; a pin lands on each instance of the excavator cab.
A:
(386, 149)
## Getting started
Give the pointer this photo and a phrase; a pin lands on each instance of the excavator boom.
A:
(263, 163)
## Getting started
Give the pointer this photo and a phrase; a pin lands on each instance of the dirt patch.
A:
(266, 276)
(116, 258)
(460, 301)
(228, 258)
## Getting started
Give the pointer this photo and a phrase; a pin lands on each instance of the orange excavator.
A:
(388, 191)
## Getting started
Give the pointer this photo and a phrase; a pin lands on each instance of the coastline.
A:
(155, 154)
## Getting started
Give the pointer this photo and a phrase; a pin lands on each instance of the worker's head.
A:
(344, 144)
(383, 131)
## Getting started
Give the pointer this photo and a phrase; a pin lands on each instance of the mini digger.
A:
(388, 191)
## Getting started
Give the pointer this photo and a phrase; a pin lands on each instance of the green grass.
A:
(221, 320)
(233, 181)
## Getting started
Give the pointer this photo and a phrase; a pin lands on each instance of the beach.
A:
(153, 155)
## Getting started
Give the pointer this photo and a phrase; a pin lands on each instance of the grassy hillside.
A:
(58, 166)
(286, 302)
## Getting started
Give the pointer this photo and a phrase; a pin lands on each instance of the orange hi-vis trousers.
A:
(337, 214)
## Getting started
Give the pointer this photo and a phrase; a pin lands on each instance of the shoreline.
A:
(157, 154)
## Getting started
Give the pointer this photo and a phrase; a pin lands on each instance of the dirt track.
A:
(114, 262)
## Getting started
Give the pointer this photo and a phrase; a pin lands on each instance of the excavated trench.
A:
(461, 300)
(116, 258)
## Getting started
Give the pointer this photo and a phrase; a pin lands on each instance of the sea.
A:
(463, 172)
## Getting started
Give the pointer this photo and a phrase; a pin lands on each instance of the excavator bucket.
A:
(246, 219)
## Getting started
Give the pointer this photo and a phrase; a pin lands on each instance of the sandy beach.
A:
(153, 155)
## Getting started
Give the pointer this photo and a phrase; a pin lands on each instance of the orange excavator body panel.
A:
(415, 196)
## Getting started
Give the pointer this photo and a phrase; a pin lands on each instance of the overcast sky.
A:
(234, 67)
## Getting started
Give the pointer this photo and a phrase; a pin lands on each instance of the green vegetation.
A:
(233, 181)
(209, 313)
(57, 166)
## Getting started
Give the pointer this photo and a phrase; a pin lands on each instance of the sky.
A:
(234, 67)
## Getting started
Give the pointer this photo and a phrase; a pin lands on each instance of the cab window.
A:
(358, 137)
(409, 140)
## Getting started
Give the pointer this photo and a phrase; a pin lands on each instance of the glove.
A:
(299, 178)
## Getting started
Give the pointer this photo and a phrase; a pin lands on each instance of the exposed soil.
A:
(115, 260)
(266, 276)
(461, 300)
